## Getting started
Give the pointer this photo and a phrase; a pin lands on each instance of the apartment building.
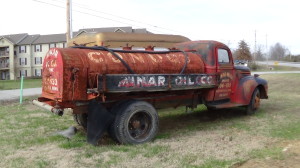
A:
(8, 53)
(23, 54)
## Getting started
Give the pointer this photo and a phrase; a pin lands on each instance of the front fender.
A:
(244, 89)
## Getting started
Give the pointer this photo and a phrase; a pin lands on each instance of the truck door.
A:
(225, 69)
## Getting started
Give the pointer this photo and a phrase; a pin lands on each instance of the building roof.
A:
(140, 31)
(15, 38)
(106, 29)
(25, 39)
(51, 38)
(111, 29)
(29, 39)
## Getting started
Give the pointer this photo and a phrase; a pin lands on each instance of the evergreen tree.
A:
(243, 51)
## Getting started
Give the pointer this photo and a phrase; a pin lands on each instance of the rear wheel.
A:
(81, 119)
(115, 111)
(254, 102)
(135, 122)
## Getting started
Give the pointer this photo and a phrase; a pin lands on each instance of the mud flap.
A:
(98, 121)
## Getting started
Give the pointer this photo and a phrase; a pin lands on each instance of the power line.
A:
(63, 1)
(120, 17)
(49, 4)
(80, 6)
(82, 12)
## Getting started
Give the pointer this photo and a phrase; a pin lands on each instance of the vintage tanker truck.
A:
(115, 82)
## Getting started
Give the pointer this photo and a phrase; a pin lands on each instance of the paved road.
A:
(275, 72)
(281, 63)
(15, 94)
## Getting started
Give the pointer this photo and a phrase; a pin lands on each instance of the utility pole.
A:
(69, 20)
(255, 46)
(267, 55)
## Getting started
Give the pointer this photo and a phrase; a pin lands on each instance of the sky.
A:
(228, 21)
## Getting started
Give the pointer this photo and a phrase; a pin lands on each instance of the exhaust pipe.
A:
(47, 107)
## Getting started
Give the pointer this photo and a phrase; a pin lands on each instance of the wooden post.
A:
(68, 21)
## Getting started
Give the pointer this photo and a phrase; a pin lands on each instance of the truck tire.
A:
(136, 122)
(115, 111)
(81, 119)
(254, 102)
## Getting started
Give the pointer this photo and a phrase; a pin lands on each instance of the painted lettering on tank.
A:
(142, 81)
(95, 57)
(52, 83)
(52, 52)
(137, 57)
(50, 78)
(51, 63)
(204, 79)
(155, 58)
(163, 81)
(173, 58)
(193, 81)
(114, 59)
(54, 88)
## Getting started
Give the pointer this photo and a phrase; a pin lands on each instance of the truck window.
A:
(223, 56)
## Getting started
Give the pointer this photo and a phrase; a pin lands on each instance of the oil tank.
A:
(69, 72)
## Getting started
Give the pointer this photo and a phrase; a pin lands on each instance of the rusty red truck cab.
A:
(119, 90)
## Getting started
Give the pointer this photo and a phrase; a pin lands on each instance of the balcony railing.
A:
(4, 54)
(4, 66)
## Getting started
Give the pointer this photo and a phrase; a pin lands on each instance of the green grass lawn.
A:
(198, 139)
(15, 84)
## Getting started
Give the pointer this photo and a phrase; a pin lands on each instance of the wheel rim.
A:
(139, 125)
(256, 101)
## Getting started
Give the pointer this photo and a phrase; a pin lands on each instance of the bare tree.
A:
(278, 51)
(259, 53)
(243, 51)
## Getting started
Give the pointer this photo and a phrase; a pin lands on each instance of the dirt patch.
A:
(61, 157)
(30, 107)
(8, 102)
(36, 115)
(216, 144)
(291, 153)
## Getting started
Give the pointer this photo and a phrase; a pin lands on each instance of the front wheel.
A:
(254, 102)
(136, 122)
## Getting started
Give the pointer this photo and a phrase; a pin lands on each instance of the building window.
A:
(38, 48)
(37, 72)
(53, 45)
(22, 49)
(64, 45)
(38, 60)
(23, 73)
(23, 61)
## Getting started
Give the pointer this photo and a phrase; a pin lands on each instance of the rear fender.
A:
(243, 92)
